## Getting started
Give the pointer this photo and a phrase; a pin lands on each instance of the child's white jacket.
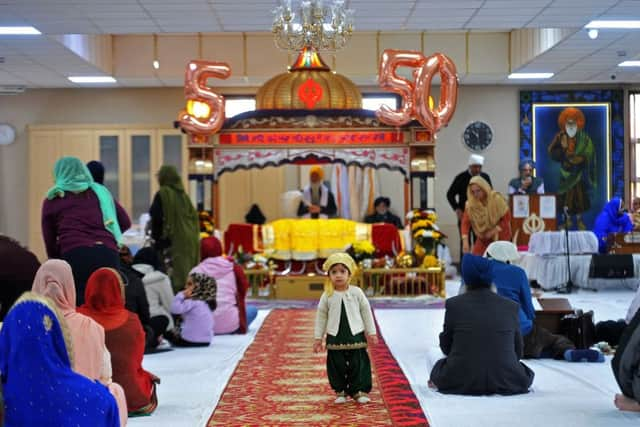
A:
(358, 312)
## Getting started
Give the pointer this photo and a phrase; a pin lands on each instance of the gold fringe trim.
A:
(353, 346)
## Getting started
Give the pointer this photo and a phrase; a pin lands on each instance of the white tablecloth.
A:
(550, 271)
(134, 241)
(553, 243)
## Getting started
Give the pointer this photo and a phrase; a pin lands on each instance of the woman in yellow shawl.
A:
(487, 214)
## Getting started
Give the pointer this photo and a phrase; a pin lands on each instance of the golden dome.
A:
(310, 85)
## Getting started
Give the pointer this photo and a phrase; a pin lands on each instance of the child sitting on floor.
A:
(344, 315)
(196, 304)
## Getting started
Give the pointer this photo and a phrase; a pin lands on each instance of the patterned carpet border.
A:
(376, 303)
(252, 397)
(281, 382)
(401, 401)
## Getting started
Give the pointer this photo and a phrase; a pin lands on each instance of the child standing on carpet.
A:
(344, 315)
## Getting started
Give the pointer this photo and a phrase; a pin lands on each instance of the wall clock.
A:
(7, 134)
(477, 136)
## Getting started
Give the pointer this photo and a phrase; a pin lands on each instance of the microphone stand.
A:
(568, 287)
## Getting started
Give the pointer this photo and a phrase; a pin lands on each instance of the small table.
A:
(553, 309)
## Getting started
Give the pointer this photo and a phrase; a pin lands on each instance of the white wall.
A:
(496, 105)
(65, 106)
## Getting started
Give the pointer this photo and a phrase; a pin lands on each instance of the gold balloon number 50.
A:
(415, 94)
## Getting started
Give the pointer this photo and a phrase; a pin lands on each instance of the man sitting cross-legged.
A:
(511, 282)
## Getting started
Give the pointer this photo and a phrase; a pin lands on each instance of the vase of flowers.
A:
(362, 252)
(426, 233)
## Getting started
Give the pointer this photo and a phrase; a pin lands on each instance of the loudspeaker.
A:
(611, 266)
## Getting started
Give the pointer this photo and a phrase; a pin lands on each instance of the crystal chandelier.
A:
(312, 25)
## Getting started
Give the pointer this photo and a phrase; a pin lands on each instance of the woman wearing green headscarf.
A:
(80, 223)
(174, 227)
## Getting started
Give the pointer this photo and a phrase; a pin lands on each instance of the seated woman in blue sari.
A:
(612, 219)
(39, 387)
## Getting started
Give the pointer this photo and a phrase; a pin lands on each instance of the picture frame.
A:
(603, 126)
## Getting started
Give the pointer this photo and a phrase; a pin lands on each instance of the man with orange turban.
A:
(573, 149)
(317, 200)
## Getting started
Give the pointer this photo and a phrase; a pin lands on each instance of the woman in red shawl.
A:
(124, 337)
(231, 315)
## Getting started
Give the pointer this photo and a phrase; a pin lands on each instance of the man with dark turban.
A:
(481, 339)
(383, 214)
(526, 183)
(573, 149)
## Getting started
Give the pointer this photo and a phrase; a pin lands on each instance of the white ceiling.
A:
(41, 61)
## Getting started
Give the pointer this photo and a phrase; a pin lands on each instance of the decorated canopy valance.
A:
(393, 158)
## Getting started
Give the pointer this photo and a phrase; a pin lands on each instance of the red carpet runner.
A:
(281, 382)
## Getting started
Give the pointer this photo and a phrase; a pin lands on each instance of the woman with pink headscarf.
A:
(231, 315)
(91, 358)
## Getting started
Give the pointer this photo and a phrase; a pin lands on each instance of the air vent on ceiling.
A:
(11, 90)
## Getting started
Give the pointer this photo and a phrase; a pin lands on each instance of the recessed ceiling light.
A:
(629, 64)
(593, 33)
(18, 31)
(628, 25)
(92, 79)
(530, 75)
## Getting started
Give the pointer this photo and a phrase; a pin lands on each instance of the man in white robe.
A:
(317, 200)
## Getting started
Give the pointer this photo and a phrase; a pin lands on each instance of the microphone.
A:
(566, 211)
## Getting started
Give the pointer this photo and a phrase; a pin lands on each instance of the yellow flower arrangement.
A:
(206, 224)
(362, 249)
(425, 231)
(421, 223)
(430, 261)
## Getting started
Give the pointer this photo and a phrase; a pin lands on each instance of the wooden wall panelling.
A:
(184, 168)
(235, 190)
(43, 150)
(124, 173)
(79, 143)
(267, 186)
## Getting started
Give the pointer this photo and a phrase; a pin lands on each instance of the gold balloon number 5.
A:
(204, 113)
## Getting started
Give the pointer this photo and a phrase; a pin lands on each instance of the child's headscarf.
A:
(338, 258)
(204, 289)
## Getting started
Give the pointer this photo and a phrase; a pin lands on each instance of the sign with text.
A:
(312, 138)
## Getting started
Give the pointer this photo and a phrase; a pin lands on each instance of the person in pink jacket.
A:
(231, 315)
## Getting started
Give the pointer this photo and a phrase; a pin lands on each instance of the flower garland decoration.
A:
(426, 234)
(206, 224)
